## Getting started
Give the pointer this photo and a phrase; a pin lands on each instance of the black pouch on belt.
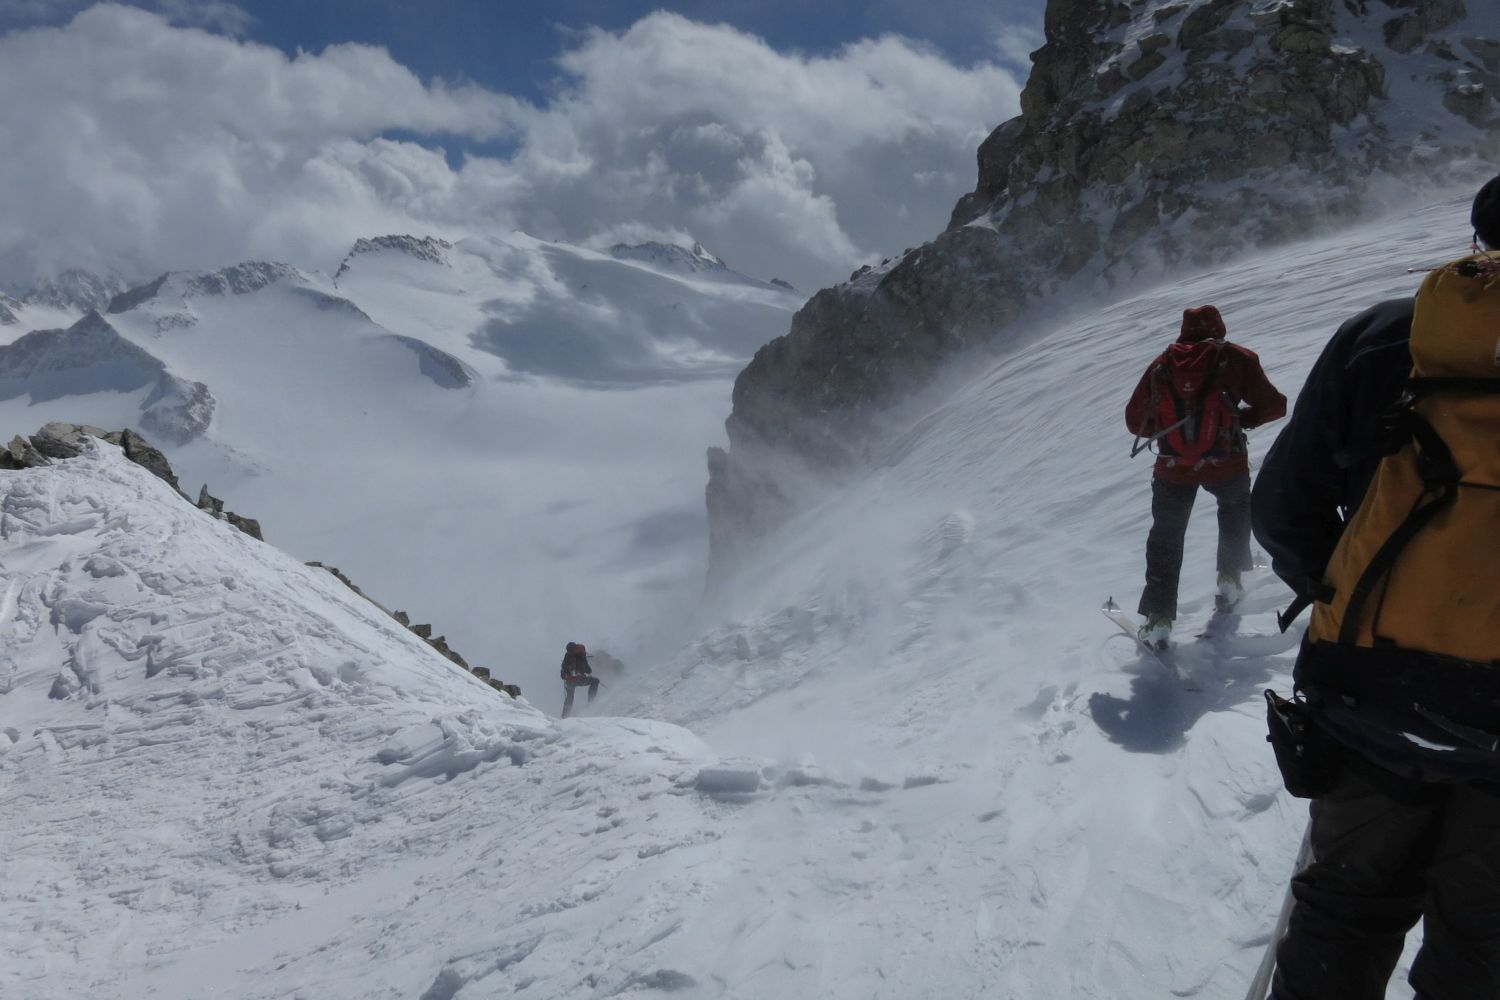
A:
(1310, 761)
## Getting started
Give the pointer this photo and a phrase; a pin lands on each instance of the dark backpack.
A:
(1200, 423)
(575, 661)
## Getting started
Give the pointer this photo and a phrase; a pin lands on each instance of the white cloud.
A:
(163, 146)
(213, 15)
(1015, 44)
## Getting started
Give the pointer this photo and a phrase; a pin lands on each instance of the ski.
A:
(1131, 627)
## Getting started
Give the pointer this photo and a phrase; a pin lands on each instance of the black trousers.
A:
(592, 683)
(1171, 505)
(1379, 865)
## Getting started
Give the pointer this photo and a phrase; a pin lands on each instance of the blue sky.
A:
(794, 138)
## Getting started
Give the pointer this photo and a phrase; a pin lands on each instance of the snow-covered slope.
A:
(634, 315)
(504, 437)
(1089, 830)
(226, 775)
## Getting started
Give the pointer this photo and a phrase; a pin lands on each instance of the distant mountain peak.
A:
(74, 290)
(428, 248)
(669, 256)
(91, 356)
(8, 307)
(239, 279)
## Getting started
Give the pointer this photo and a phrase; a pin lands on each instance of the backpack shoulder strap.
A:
(1437, 469)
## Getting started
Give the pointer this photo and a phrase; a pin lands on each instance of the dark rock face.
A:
(1149, 130)
(428, 248)
(133, 297)
(241, 279)
(143, 453)
(8, 309)
(214, 506)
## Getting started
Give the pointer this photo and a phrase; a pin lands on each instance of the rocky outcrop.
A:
(8, 309)
(59, 440)
(213, 505)
(428, 248)
(483, 674)
(443, 368)
(1151, 133)
(424, 632)
(241, 279)
(669, 257)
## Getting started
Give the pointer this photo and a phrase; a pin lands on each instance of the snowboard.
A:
(1165, 657)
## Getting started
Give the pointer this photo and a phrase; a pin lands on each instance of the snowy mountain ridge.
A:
(519, 382)
(231, 762)
(75, 290)
(182, 286)
(669, 256)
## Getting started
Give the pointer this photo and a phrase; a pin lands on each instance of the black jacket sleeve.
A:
(1318, 470)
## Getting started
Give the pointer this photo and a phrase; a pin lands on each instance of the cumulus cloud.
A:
(145, 145)
(214, 15)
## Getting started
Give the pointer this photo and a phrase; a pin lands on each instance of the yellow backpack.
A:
(1418, 566)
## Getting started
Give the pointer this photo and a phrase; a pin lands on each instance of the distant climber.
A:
(577, 673)
(1380, 505)
(1194, 403)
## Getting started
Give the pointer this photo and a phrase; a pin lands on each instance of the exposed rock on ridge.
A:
(424, 632)
(1151, 133)
(669, 256)
(59, 440)
(241, 279)
(428, 248)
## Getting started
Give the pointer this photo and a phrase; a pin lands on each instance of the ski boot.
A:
(1155, 632)
(1229, 594)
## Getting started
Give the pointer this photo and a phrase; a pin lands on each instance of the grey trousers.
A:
(1171, 505)
(592, 683)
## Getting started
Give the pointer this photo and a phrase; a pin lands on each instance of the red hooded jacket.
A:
(1240, 379)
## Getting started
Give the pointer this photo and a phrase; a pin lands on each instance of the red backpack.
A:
(1200, 423)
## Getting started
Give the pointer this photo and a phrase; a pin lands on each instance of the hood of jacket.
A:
(1200, 324)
